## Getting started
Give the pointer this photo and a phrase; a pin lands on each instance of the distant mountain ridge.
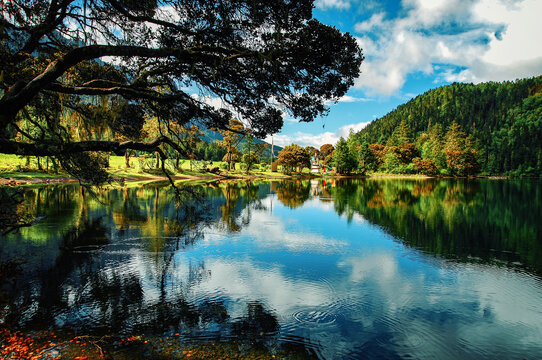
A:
(210, 136)
(504, 118)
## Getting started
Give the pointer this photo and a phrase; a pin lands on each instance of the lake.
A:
(328, 269)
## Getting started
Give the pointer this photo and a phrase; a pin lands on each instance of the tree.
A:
(454, 147)
(400, 135)
(312, 151)
(210, 151)
(433, 148)
(343, 159)
(231, 138)
(57, 56)
(186, 137)
(501, 118)
(249, 157)
(379, 152)
(405, 152)
(424, 166)
(294, 156)
(232, 158)
(367, 158)
(326, 154)
(470, 158)
(326, 150)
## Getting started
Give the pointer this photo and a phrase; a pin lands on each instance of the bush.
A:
(424, 166)
(223, 165)
(391, 163)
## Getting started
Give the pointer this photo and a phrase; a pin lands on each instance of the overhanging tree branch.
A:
(18, 96)
(55, 149)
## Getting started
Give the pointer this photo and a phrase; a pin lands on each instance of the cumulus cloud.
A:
(330, 4)
(455, 40)
(305, 139)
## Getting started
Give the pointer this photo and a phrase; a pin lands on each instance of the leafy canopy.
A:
(123, 61)
(294, 156)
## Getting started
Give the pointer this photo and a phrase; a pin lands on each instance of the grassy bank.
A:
(17, 168)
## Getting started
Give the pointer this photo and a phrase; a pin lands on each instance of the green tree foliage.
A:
(294, 156)
(461, 156)
(502, 120)
(343, 158)
(210, 151)
(232, 157)
(379, 152)
(405, 152)
(252, 152)
(231, 137)
(401, 134)
(367, 158)
(326, 153)
(242, 52)
(431, 145)
(517, 146)
(312, 151)
(454, 148)
(436, 215)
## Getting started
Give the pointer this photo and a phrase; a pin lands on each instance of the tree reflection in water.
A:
(111, 263)
(90, 289)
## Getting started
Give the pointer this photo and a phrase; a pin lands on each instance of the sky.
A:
(412, 46)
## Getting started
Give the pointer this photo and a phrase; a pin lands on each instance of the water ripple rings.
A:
(315, 316)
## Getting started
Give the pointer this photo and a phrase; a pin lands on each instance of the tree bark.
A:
(127, 158)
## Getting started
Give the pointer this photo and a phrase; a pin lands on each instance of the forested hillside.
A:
(498, 130)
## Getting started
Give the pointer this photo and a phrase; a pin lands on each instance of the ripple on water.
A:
(416, 338)
(315, 316)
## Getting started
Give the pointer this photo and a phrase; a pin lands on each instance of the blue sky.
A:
(412, 46)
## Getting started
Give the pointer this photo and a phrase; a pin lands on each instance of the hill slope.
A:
(505, 120)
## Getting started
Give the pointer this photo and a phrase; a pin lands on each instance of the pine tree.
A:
(455, 144)
(367, 158)
(343, 159)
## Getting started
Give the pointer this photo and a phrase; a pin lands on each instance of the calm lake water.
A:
(339, 269)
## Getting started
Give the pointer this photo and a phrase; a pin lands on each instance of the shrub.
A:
(424, 166)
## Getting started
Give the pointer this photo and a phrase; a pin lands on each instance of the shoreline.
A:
(18, 181)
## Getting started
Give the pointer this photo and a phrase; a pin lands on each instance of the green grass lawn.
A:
(14, 166)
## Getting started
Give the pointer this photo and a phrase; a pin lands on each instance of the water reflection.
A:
(334, 269)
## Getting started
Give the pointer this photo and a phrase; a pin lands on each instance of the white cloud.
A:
(350, 99)
(270, 232)
(330, 4)
(344, 99)
(375, 22)
(304, 139)
(456, 40)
